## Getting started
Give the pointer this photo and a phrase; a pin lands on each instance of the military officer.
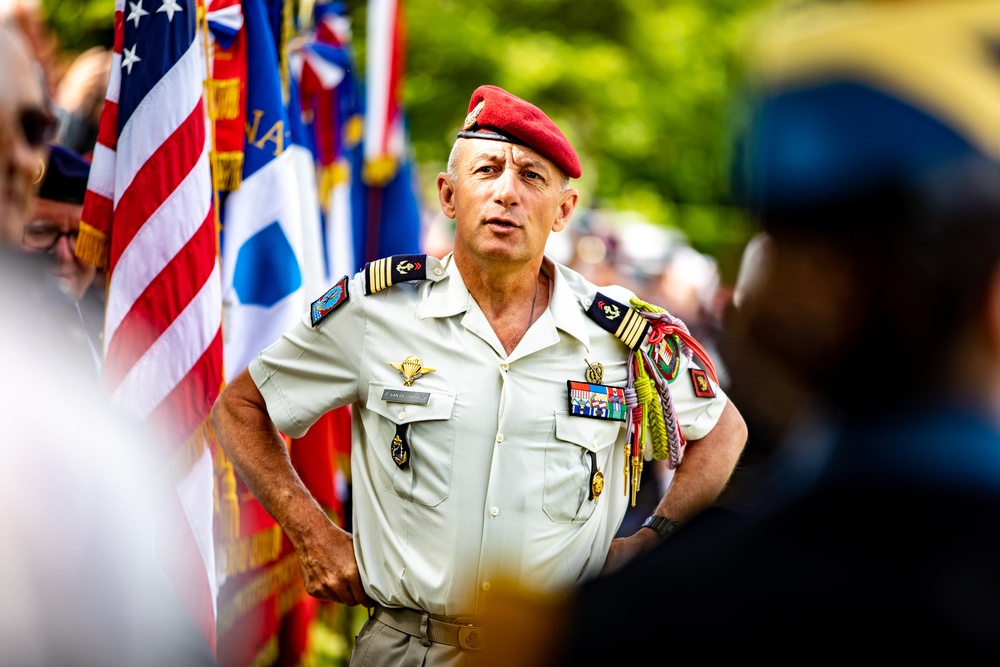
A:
(476, 458)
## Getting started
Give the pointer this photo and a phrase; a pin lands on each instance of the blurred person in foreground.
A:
(873, 164)
(504, 456)
(80, 501)
(26, 124)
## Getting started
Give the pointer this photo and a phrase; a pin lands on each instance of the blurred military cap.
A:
(65, 177)
(851, 103)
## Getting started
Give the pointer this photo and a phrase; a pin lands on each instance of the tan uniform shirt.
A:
(497, 482)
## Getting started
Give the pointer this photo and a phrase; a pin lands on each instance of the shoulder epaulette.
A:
(619, 319)
(388, 271)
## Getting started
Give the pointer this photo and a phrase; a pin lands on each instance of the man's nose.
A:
(63, 249)
(506, 188)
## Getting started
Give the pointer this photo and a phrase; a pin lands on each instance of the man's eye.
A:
(485, 168)
(532, 175)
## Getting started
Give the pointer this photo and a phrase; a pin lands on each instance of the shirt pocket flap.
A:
(405, 406)
(592, 434)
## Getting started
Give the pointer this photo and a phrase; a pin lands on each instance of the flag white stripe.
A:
(154, 246)
(196, 493)
(159, 114)
(114, 78)
(102, 171)
(379, 54)
(174, 354)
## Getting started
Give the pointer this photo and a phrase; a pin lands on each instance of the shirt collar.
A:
(450, 297)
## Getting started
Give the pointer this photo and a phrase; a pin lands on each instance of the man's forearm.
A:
(706, 469)
(260, 456)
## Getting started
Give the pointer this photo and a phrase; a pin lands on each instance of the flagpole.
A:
(209, 101)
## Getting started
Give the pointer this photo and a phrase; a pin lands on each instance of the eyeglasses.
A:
(38, 125)
(42, 237)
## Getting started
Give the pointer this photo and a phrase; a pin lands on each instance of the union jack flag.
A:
(148, 220)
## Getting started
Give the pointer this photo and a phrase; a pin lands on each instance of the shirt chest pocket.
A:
(420, 424)
(577, 449)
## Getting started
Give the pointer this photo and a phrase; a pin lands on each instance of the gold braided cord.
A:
(92, 246)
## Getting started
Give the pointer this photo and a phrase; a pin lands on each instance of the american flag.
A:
(148, 219)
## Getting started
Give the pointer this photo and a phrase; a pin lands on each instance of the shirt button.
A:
(494, 511)
(500, 438)
(438, 272)
(487, 586)
(402, 416)
(504, 367)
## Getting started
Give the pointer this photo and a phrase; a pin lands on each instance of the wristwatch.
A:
(663, 526)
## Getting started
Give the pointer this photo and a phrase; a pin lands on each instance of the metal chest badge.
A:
(400, 447)
(411, 369)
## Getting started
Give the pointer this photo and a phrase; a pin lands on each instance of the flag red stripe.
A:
(97, 211)
(119, 32)
(184, 409)
(161, 302)
(107, 126)
(396, 67)
(161, 174)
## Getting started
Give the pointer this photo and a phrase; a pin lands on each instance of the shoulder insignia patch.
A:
(335, 297)
(388, 271)
(623, 321)
(702, 386)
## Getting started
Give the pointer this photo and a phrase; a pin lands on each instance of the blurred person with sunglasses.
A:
(26, 125)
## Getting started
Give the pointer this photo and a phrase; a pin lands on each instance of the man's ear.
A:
(446, 195)
(567, 204)
(993, 311)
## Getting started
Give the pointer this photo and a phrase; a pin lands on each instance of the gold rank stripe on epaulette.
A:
(388, 271)
(623, 321)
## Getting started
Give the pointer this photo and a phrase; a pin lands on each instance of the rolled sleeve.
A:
(697, 415)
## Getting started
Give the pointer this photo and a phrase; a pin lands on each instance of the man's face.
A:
(53, 228)
(505, 199)
(21, 102)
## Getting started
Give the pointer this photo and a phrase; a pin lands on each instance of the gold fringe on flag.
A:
(227, 504)
(190, 451)
(354, 130)
(225, 95)
(247, 553)
(268, 653)
(259, 588)
(92, 246)
(379, 171)
(227, 170)
(287, 32)
(330, 177)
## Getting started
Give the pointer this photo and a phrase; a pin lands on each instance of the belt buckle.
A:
(470, 637)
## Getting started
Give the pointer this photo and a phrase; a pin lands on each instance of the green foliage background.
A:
(641, 87)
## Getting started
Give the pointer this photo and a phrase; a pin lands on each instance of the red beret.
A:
(496, 114)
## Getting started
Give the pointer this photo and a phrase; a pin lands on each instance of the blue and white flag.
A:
(262, 230)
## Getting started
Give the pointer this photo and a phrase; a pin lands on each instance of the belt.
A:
(419, 624)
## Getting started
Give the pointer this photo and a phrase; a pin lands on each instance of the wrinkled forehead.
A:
(65, 215)
(523, 156)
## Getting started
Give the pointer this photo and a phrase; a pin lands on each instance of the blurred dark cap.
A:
(65, 176)
(871, 107)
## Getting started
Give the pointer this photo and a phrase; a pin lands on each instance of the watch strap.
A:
(664, 526)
